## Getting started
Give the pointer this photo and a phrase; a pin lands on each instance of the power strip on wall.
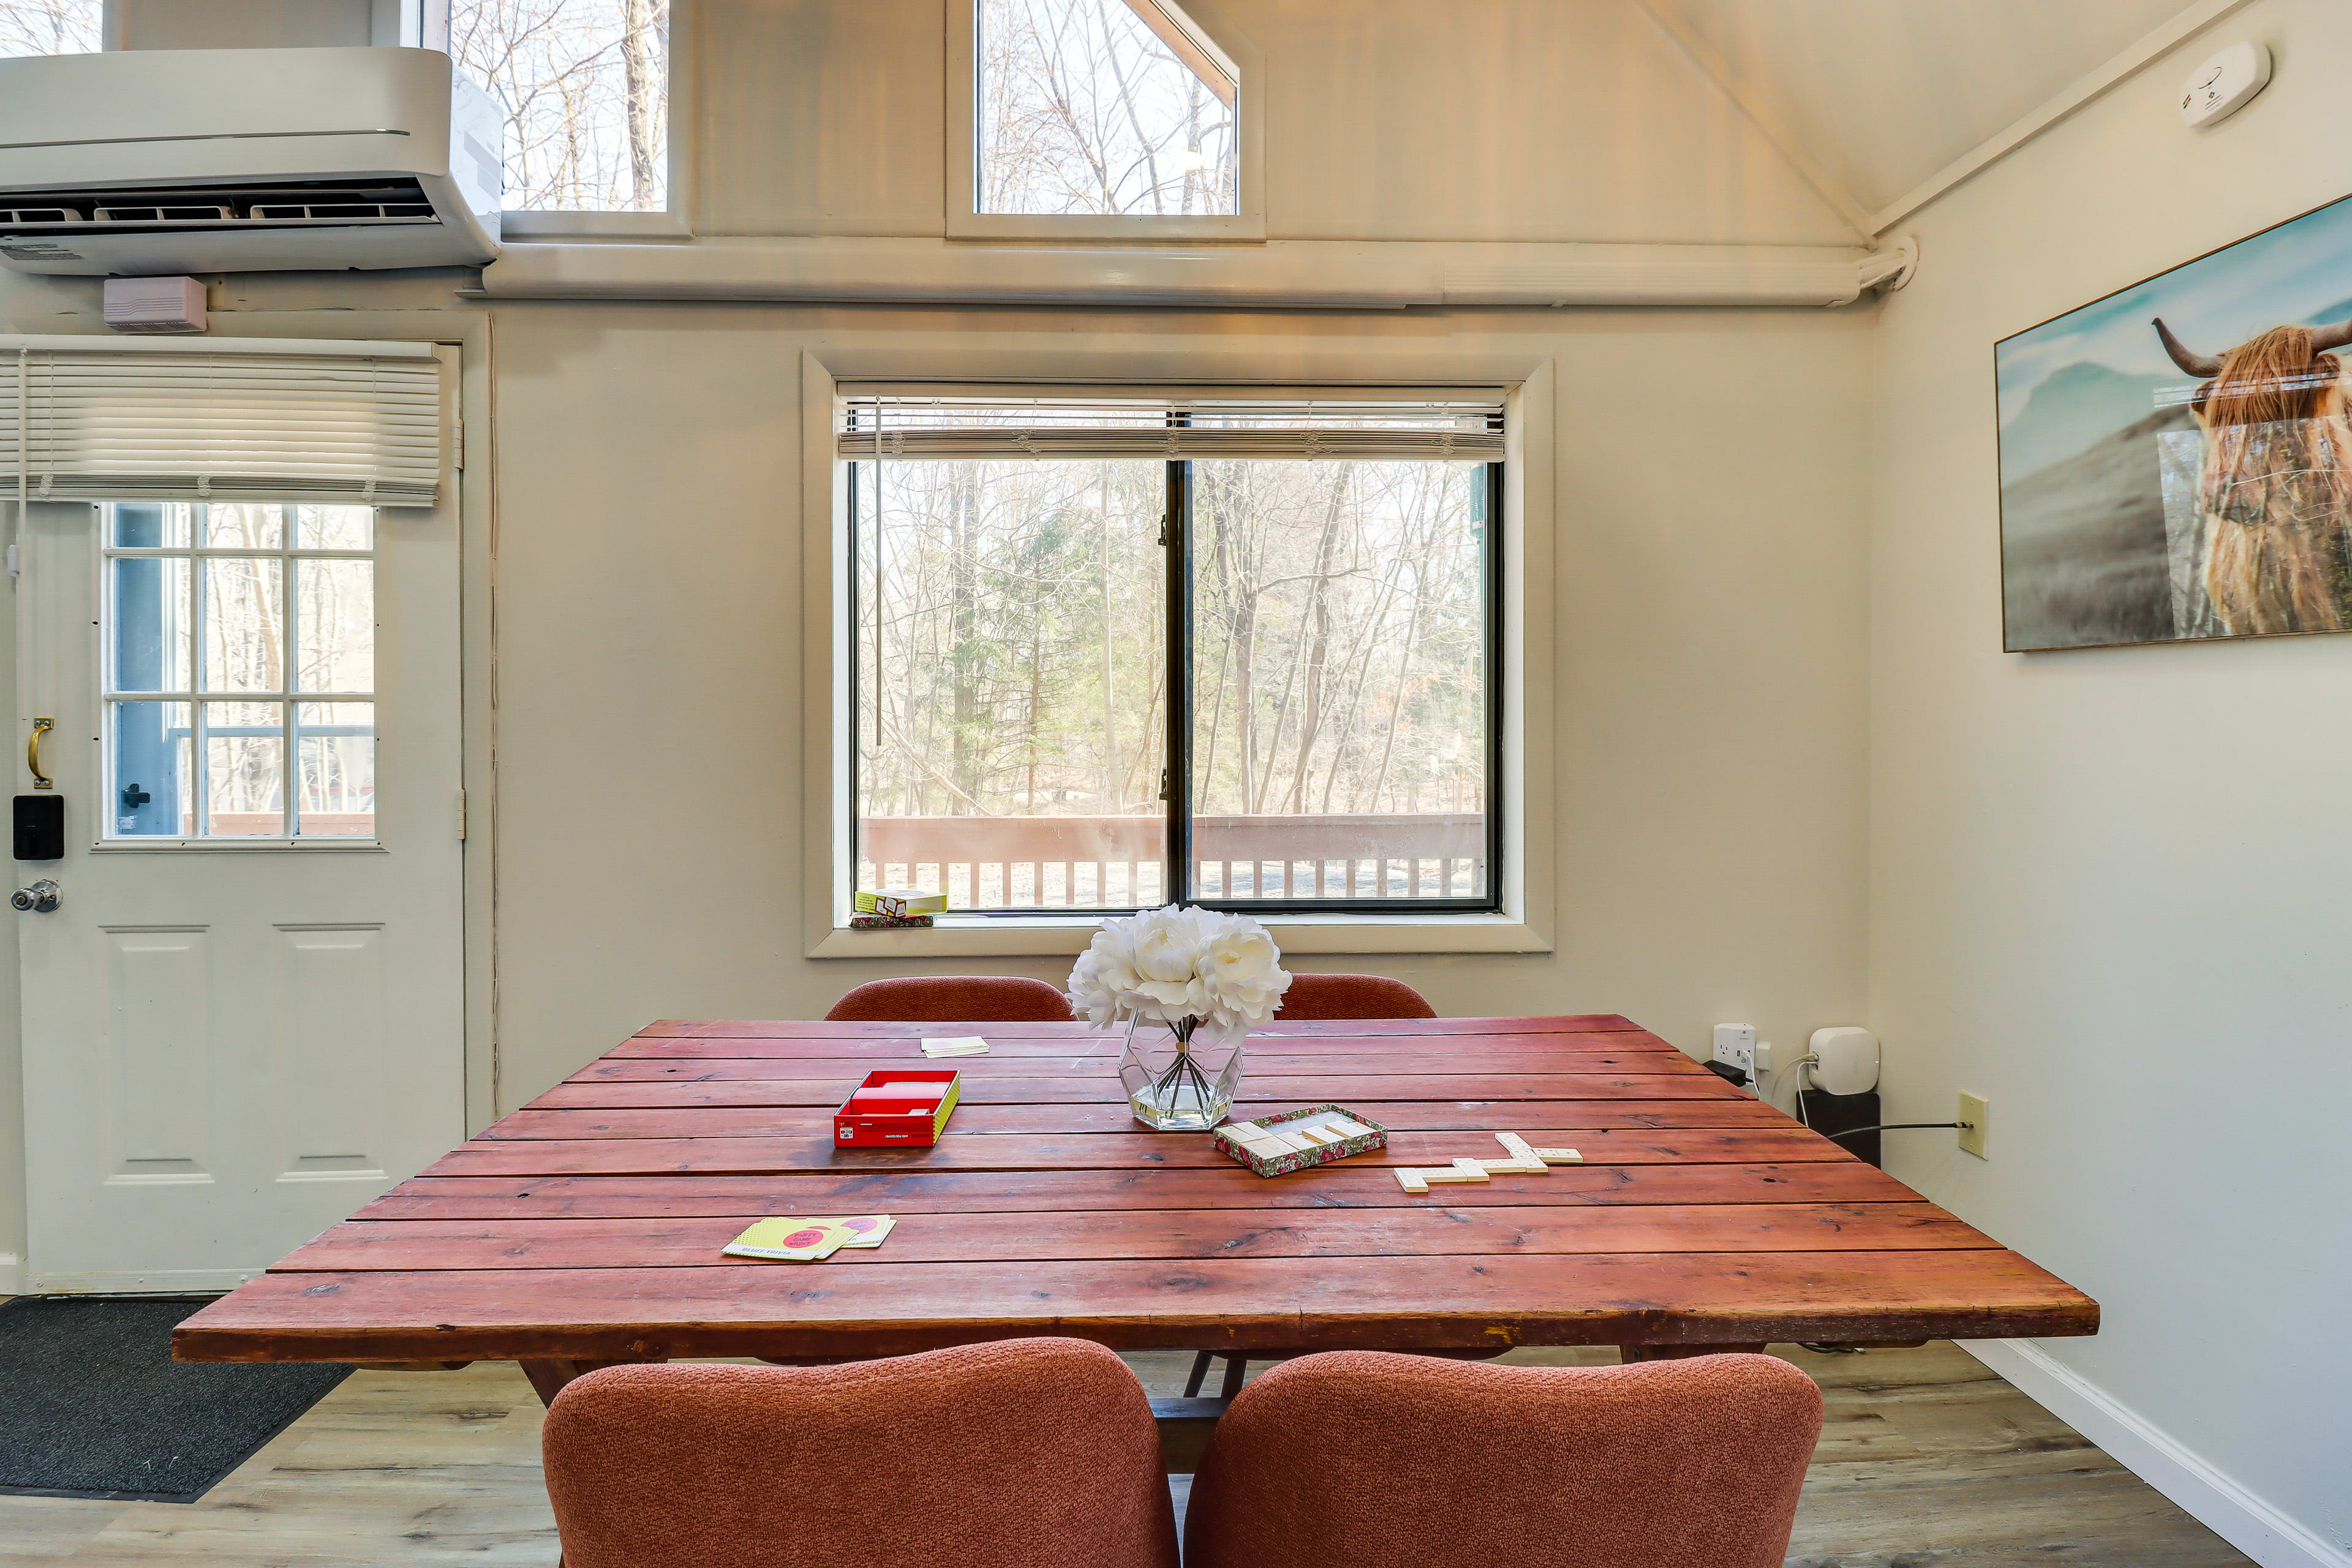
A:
(1734, 1046)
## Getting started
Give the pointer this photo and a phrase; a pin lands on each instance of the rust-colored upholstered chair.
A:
(954, 999)
(1020, 1454)
(1361, 1459)
(1352, 997)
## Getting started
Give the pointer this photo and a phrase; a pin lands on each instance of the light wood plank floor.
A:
(1927, 1461)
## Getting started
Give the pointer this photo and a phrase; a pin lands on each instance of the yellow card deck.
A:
(808, 1240)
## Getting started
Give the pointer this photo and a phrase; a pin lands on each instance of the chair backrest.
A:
(1020, 1454)
(1362, 1459)
(1352, 997)
(955, 999)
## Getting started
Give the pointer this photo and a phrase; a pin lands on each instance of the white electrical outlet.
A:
(1972, 1124)
(1735, 1044)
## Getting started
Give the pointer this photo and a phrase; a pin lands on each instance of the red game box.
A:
(896, 1107)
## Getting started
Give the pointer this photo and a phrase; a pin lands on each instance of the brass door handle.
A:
(33, 754)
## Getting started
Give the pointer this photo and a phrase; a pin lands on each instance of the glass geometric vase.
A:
(1173, 1085)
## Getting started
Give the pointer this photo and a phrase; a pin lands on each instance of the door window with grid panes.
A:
(238, 658)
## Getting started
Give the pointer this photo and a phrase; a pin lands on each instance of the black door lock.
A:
(40, 827)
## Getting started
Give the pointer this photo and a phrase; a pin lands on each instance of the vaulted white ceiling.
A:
(1878, 95)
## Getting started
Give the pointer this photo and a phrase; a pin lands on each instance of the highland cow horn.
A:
(2326, 338)
(2194, 363)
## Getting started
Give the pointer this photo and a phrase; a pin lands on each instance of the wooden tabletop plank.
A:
(1342, 1185)
(374, 1246)
(1089, 1150)
(812, 1029)
(1269, 1303)
(661, 1094)
(542, 1118)
(1104, 1071)
(988, 1089)
(1397, 1050)
(1297, 1057)
(1382, 1053)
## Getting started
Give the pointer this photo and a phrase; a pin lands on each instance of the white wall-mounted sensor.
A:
(2225, 84)
(1848, 1060)
(155, 304)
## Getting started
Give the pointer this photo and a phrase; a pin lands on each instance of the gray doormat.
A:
(93, 1404)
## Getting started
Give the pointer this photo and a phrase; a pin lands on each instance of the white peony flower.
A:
(1180, 962)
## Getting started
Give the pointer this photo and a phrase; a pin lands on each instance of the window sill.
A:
(238, 846)
(639, 228)
(1046, 935)
(1227, 228)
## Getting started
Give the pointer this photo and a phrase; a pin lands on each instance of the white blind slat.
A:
(137, 424)
(1461, 428)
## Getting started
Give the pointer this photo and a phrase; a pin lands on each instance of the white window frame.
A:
(1527, 876)
(675, 221)
(1215, 36)
(106, 841)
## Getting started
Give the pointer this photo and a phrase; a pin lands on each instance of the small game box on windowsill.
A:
(1293, 1139)
(897, 1107)
(889, 922)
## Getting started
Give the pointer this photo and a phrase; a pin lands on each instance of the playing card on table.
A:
(790, 1240)
(866, 1229)
(955, 1046)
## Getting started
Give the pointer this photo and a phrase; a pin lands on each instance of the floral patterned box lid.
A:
(1293, 1139)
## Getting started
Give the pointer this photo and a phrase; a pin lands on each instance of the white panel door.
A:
(244, 1018)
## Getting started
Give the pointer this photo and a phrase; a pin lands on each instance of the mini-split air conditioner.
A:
(162, 161)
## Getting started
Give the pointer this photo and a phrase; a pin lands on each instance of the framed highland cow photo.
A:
(2175, 458)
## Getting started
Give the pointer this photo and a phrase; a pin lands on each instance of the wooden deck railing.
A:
(1022, 862)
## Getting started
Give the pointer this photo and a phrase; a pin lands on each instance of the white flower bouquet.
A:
(1210, 977)
(1221, 973)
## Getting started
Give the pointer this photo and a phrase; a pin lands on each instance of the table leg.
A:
(1629, 1354)
(548, 1377)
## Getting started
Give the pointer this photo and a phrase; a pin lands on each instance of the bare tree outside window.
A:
(1011, 669)
(1012, 679)
(585, 89)
(1086, 107)
(50, 26)
(244, 636)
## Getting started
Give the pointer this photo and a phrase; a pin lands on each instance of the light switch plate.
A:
(1972, 1135)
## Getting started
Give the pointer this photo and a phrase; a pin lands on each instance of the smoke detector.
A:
(2225, 84)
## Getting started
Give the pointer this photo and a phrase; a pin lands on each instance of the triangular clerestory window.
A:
(1102, 109)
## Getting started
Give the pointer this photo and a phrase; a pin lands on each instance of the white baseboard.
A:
(9, 1269)
(2221, 1504)
(151, 1282)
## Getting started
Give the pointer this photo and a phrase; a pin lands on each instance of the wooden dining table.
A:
(585, 1229)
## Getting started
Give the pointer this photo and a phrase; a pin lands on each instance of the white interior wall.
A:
(1710, 701)
(2107, 886)
(1385, 119)
(239, 24)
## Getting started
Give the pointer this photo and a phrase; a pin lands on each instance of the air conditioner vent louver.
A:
(175, 214)
(293, 204)
(341, 209)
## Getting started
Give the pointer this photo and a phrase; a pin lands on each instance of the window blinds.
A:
(311, 422)
(1463, 427)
